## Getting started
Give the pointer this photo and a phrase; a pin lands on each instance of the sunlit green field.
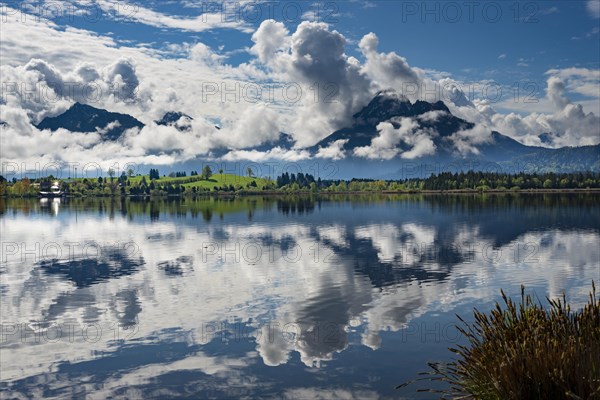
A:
(219, 180)
(216, 180)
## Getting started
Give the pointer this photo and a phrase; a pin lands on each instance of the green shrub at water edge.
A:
(523, 351)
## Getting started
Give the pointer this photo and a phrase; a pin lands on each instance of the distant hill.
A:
(85, 118)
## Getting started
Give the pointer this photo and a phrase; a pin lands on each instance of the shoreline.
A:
(325, 193)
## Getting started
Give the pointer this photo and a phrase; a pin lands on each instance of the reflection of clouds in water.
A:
(565, 262)
(384, 239)
(274, 343)
(213, 369)
(332, 234)
(393, 309)
(318, 300)
(393, 242)
(320, 393)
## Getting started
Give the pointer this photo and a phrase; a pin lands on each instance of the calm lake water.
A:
(337, 297)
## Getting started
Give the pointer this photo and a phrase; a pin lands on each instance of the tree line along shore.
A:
(208, 182)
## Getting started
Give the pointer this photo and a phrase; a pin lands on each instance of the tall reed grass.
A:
(525, 351)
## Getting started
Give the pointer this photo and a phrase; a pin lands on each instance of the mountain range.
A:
(499, 152)
(442, 128)
(85, 118)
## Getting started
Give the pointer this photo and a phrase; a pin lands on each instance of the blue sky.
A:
(504, 41)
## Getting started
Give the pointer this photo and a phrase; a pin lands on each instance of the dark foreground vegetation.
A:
(525, 351)
(210, 182)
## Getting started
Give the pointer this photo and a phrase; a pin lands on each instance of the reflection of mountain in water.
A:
(492, 217)
(386, 273)
(176, 267)
(110, 263)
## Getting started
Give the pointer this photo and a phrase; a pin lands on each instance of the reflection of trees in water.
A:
(207, 214)
(511, 201)
(543, 207)
(570, 205)
(503, 218)
(154, 211)
(296, 205)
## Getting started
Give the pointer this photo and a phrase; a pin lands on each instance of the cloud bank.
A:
(308, 82)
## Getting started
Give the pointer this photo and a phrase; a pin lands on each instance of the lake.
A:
(280, 297)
